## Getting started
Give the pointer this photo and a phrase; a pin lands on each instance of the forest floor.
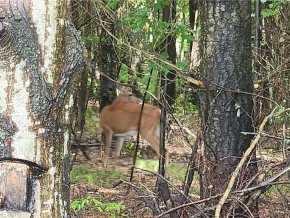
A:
(93, 190)
(97, 191)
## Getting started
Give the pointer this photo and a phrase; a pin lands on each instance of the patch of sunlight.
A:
(175, 171)
(150, 165)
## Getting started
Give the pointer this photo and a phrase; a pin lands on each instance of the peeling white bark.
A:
(23, 143)
(37, 197)
(14, 214)
(44, 16)
(3, 85)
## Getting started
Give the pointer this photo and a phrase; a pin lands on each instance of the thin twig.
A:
(268, 182)
(267, 135)
(187, 205)
(139, 125)
(166, 180)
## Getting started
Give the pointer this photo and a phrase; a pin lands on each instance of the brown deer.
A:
(121, 119)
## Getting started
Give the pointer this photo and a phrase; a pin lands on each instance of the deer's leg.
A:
(119, 144)
(108, 134)
(152, 136)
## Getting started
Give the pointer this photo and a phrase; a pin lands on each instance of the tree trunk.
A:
(40, 55)
(286, 51)
(169, 16)
(82, 13)
(225, 49)
(107, 61)
(193, 4)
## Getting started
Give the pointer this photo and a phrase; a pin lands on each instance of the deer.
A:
(121, 119)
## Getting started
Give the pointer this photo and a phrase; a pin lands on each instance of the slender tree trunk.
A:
(286, 55)
(193, 5)
(193, 49)
(225, 50)
(40, 55)
(82, 14)
(169, 16)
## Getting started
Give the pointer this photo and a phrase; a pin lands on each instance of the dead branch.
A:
(268, 182)
(264, 134)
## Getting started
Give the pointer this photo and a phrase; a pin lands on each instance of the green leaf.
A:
(113, 4)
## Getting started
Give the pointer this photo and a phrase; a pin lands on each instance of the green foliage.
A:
(159, 4)
(183, 106)
(123, 75)
(183, 31)
(111, 209)
(182, 65)
(113, 4)
(136, 19)
(91, 39)
(144, 28)
(280, 116)
(154, 80)
(83, 174)
(176, 171)
(273, 8)
(130, 149)
(92, 121)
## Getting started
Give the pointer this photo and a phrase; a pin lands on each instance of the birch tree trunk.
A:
(40, 55)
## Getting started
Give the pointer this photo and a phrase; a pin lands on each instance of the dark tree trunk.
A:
(107, 62)
(225, 50)
(82, 13)
(162, 185)
(286, 49)
(169, 16)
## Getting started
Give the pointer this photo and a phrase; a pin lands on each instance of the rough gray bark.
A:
(39, 58)
(225, 50)
(82, 16)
